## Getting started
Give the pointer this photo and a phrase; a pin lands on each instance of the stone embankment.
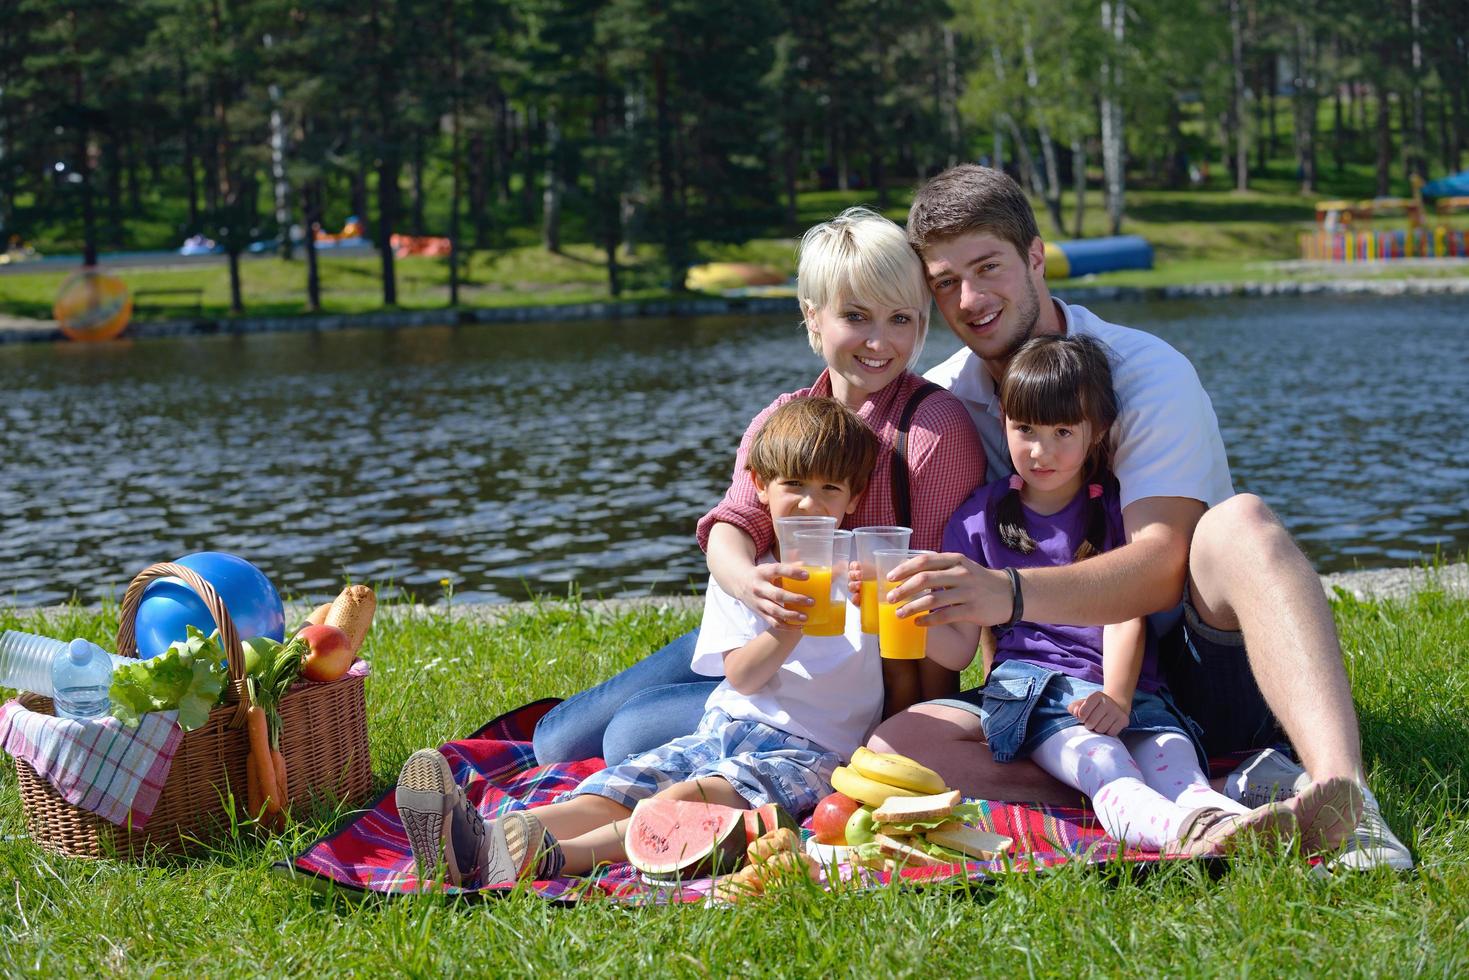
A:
(20, 329)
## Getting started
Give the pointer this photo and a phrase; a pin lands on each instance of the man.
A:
(1253, 633)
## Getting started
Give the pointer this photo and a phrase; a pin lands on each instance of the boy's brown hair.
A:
(814, 438)
(970, 198)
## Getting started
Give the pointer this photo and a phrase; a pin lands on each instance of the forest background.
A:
(643, 136)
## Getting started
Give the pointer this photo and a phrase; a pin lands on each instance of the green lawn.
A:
(436, 677)
(1198, 236)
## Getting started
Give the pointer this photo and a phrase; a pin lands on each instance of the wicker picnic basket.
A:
(323, 737)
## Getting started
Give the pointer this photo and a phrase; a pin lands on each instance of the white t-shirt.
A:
(1165, 442)
(829, 689)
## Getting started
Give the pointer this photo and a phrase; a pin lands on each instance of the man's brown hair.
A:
(969, 198)
(814, 438)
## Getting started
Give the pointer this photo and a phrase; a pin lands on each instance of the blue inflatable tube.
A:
(1083, 257)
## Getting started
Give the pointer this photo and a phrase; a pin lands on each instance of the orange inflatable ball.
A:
(93, 306)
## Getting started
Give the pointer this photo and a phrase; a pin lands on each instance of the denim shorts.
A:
(763, 764)
(1023, 704)
(1210, 679)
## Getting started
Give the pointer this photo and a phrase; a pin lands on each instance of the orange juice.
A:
(818, 587)
(869, 606)
(835, 625)
(899, 639)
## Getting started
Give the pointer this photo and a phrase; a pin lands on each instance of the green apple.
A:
(859, 827)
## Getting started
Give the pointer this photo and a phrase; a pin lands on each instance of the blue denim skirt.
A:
(1023, 704)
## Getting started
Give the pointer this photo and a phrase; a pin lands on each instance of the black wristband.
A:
(1017, 601)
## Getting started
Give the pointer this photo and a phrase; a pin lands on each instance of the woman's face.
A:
(866, 346)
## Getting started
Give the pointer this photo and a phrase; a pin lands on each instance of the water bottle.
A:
(76, 675)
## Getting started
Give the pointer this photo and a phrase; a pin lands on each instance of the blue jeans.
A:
(655, 701)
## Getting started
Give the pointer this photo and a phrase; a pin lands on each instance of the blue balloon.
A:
(169, 605)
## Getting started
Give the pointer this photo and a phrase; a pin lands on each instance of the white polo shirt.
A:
(1165, 442)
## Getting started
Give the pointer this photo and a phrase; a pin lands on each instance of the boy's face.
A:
(789, 497)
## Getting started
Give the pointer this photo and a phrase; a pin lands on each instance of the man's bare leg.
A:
(1246, 574)
(951, 742)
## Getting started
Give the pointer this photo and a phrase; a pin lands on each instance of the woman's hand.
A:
(959, 591)
(761, 591)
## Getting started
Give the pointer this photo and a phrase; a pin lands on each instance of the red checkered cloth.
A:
(100, 764)
(369, 853)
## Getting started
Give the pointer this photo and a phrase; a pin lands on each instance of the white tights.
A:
(1142, 788)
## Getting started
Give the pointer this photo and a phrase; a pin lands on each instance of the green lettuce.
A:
(189, 676)
(969, 813)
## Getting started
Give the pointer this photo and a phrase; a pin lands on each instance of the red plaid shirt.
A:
(945, 464)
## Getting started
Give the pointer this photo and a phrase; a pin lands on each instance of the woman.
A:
(865, 305)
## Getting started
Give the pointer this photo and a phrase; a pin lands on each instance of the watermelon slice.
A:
(771, 816)
(683, 839)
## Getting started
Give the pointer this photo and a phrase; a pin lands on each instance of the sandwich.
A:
(924, 831)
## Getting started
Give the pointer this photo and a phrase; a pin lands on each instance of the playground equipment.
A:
(1340, 237)
(92, 306)
(1083, 257)
(716, 276)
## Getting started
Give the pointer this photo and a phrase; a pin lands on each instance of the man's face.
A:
(987, 291)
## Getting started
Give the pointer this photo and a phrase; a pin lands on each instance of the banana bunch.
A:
(872, 777)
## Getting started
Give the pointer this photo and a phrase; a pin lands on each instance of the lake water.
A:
(512, 459)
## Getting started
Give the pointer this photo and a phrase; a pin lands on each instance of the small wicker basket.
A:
(323, 737)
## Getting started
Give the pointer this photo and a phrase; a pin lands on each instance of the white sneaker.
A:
(1265, 777)
(1372, 844)
(1269, 776)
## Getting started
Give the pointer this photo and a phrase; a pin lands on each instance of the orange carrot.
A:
(260, 758)
(252, 789)
(280, 775)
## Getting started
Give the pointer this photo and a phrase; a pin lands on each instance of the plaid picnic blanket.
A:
(369, 853)
(100, 764)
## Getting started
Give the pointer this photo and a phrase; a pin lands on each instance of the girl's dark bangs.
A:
(1041, 398)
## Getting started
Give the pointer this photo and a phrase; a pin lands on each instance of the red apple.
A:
(328, 654)
(829, 822)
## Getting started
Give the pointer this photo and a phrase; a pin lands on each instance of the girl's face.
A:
(1051, 459)
(865, 346)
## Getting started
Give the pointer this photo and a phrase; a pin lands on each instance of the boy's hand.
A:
(1100, 714)
(854, 581)
(763, 594)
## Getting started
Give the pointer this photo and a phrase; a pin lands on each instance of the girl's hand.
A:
(1100, 714)
(762, 592)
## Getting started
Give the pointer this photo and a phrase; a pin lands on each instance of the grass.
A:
(1211, 234)
(437, 677)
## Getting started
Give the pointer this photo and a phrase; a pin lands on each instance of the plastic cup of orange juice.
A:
(897, 639)
(841, 554)
(806, 541)
(866, 541)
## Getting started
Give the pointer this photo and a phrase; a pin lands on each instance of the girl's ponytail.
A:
(1011, 519)
(1095, 541)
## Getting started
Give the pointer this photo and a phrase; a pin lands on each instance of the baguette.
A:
(908, 809)
(352, 614)
(318, 615)
(970, 841)
(905, 855)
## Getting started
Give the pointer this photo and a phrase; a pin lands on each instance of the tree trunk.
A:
(1305, 100)
(419, 226)
(1048, 149)
(1338, 136)
(1114, 13)
(1237, 103)
(1384, 142)
(673, 226)
(478, 163)
(454, 144)
(112, 166)
(311, 197)
(505, 161)
(1418, 156)
(1078, 177)
(551, 194)
(359, 198)
(792, 166)
(388, 160)
(530, 126)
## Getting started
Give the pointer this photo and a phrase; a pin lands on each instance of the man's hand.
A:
(1100, 714)
(761, 591)
(959, 591)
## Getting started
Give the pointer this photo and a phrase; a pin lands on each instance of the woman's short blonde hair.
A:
(860, 257)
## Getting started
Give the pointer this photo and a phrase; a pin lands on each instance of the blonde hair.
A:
(814, 438)
(860, 257)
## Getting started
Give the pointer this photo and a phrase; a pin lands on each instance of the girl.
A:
(1086, 704)
(865, 305)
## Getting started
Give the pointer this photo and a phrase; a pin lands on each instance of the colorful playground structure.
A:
(1341, 237)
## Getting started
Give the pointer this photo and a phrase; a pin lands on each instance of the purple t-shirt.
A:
(974, 532)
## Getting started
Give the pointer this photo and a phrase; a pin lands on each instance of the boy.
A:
(790, 709)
